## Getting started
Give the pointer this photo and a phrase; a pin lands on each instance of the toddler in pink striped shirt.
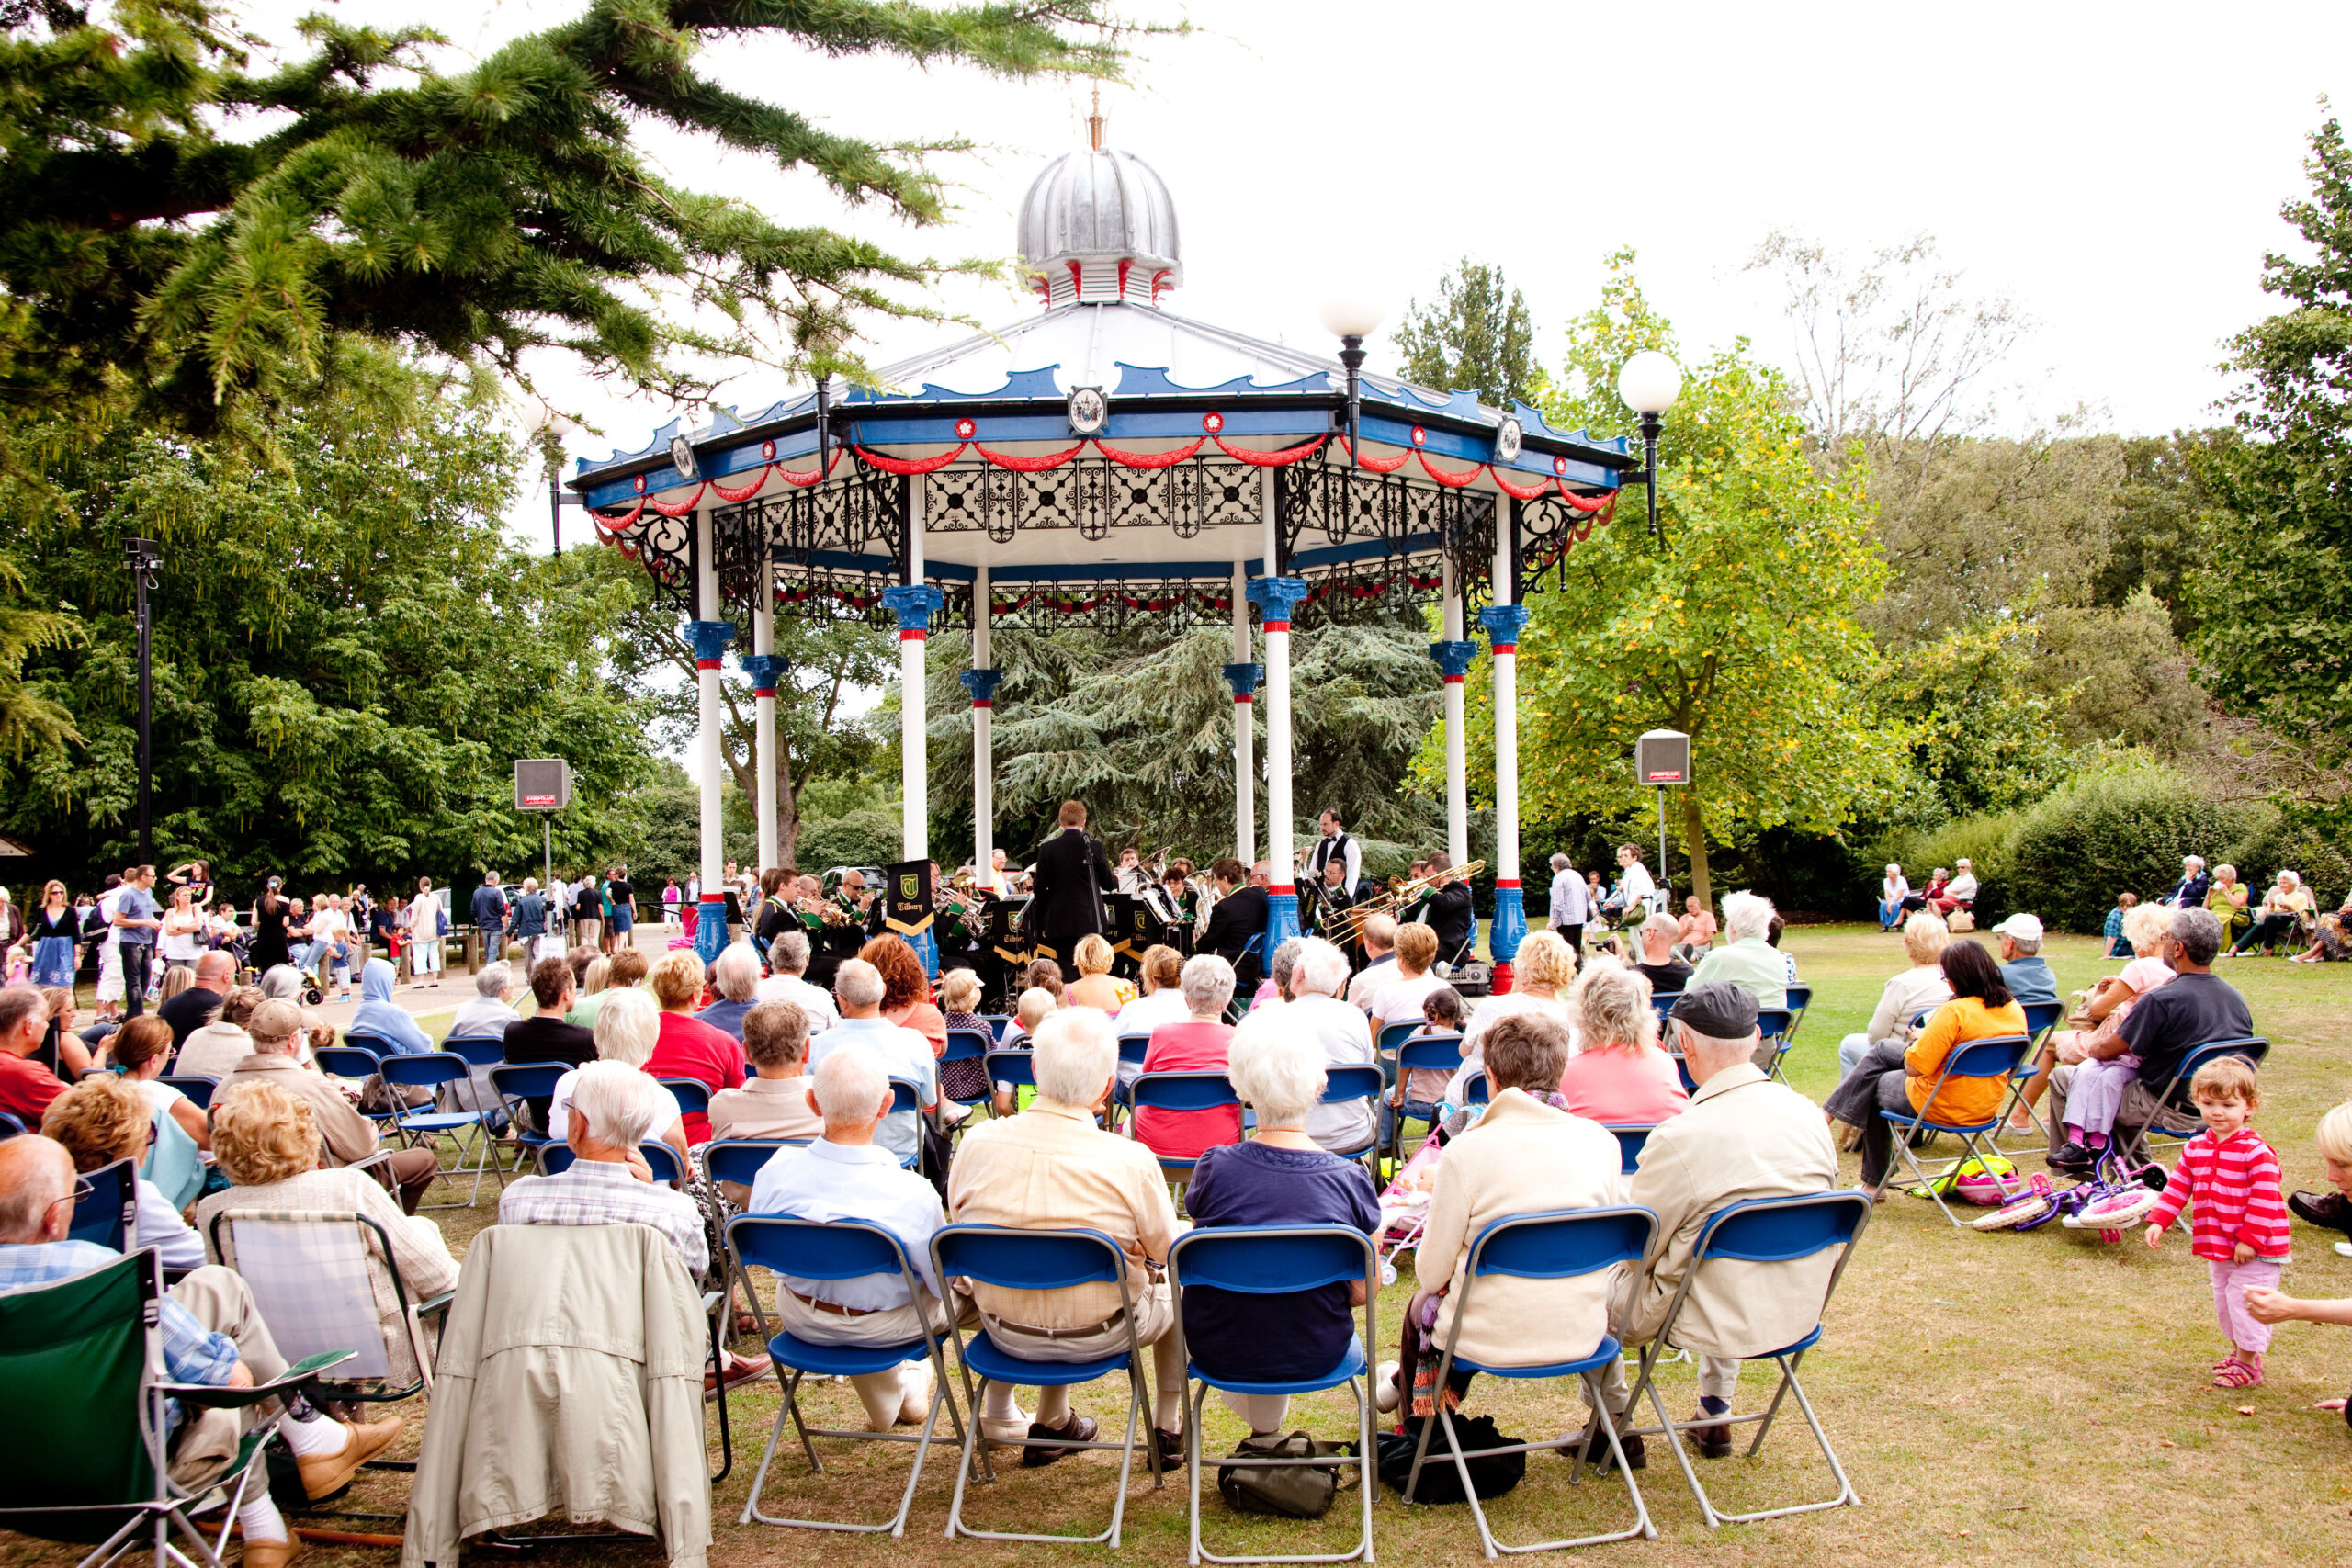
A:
(2228, 1177)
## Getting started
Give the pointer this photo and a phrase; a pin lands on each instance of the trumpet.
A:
(966, 901)
(826, 910)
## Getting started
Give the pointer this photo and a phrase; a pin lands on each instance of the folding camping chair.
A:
(517, 1083)
(1562, 1245)
(1773, 1026)
(1800, 1000)
(421, 1125)
(738, 1161)
(1041, 1260)
(1277, 1260)
(1344, 1085)
(1995, 1057)
(360, 1058)
(1432, 1052)
(2040, 1019)
(1772, 1231)
(479, 1050)
(840, 1249)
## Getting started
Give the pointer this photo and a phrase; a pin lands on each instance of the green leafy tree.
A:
(1984, 739)
(1476, 337)
(1735, 626)
(2157, 541)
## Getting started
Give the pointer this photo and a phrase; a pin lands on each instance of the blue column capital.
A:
(1244, 678)
(764, 669)
(711, 640)
(914, 604)
(982, 684)
(1276, 597)
(710, 930)
(1511, 923)
(1503, 624)
(1453, 658)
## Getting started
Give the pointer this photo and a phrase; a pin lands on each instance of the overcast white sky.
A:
(2115, 169)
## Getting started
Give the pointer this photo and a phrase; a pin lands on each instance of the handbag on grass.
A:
(1293, 1491)
(1441, 1483)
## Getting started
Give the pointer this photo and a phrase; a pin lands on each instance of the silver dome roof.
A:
(1089, 212)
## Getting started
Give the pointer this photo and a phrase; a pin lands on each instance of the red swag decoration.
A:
(1282, 459)
(1149, 459)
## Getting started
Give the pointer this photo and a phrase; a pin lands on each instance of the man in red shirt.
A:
(26, 1086)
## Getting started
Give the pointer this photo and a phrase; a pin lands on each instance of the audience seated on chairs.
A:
(26, 1086)
(2280, 921)
(1744, 1137)
(623, 971)
(1030, 1010)
(2164, 1025)
(381, 1018)
(1891, 1077)
(1906, 995)
(1052, 1168)
(1379, 961)
(1749, 959)
(349, 1136)
(1695, 933)
(964, 1080)
(1279, 1177)
(1162, 1000)
(906, 989)
(1340, 1032)
(773, 1102)
(858, 990)
(213, 1050)
(2023, 969)
(2098, 1020)
(102, 1120)
(1198, 1044)
(687, 1047)
(213, 1335)
(138, 1054)
(488, 1013)
(1096, 987)
(1523, 1154)
(1399, 1001)
(1617, 1074)
(547, 1035)
(788, 960)
(735, 975)
(1958, 893)
(1274, 989)
(613, 1108)
(1654, 938)
(627, 1036)
(267, 1143)
(846, 1176)
(1541, 972)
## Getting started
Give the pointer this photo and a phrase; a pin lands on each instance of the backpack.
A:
(1292, 1491)
(1441, 1483)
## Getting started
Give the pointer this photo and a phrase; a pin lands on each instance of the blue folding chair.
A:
(421, 1126)
(693, 1094)
(1433, 1053)
(1012, 1066)
(1560, 1245)
(1631, 1140)
(1345, 1085)
(1393, 1035)
(1179, 1091)
(2134, 1142)
(481, 1050)
(2042, 1020)
(1476, 1090)
(199, 1091)
(108, 1213)
(998, 1023)
(518, 1082)
(1278, 1260)
(1011, 1259)
(1133, 1046)
(839, 1249)
(1773, 1026)
(1664, 1002)
(660, 1158)
(1799, 998)
(1997, 1057)
(1775, 1231)
(967, 1046)
(906, 1095)
(359, 1056)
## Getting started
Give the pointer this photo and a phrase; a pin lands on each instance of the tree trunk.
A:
(1694, 844)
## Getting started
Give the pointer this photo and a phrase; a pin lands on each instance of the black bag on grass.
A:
(1440, 1482)
(1292, 1491)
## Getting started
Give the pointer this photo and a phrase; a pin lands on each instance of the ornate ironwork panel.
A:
(1091, 498)
(860, 514)
(1548, 529)
(1172, 603)
(664, 547)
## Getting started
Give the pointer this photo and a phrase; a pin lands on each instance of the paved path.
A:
(456, 986)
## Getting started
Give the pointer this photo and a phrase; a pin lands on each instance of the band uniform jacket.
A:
(1237, 918)
(1072, 873)
(1448, 913)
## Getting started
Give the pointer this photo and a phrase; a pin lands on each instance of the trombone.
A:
(1349, 923)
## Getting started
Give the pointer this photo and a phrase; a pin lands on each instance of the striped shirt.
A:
(598, 1192)
(2233, 1184)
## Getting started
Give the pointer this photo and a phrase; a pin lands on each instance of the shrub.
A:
(2125, 828)
(2274, 844)
(867, 836)
(1982, 840)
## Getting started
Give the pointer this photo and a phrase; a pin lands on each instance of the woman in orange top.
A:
(1894, 1077)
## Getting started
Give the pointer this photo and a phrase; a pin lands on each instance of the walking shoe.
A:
(1385, 1394)
(1715, 1441)
(2331, 1211)
(271, 1553)
(741, 1369)
(2073, 1156)
(325, 1473)
(1637, 1455)
(1080, 1429)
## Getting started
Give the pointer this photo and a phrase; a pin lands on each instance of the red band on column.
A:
(1506, 882)
(706, 663)
(1286, 889)
(912, 634)
(1244, 698)
(984, 703)
(1503, 648)
(767, 691)
(1453, 680)
(1271, 627)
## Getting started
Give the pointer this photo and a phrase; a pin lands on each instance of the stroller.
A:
(1405, 1207)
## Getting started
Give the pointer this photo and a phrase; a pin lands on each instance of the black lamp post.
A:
(550, 428)
(1353, 320)
(1649, 382)
(143, 556)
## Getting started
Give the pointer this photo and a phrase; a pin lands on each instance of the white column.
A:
(763, 696)
(1506, 652)
(983, 762)
(1245, 801)
(711, 642)
(914, 831)
(1457, 751)
(1281, 594)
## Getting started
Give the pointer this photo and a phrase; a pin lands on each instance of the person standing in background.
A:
(620, 898)
(1569, 910)
(424, 934)
(136, 921)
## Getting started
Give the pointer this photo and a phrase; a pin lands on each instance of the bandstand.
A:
(1108, 462)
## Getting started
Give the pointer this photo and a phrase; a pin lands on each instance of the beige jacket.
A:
(1521, 1157)
(1743, 1137)
(569, 1379)
(349, 1137)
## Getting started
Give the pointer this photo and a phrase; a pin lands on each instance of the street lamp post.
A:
(143, 556)
(1650, 383)
(1351, 319)
(550, 427)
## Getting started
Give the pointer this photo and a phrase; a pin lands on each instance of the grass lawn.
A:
(2035, 1399)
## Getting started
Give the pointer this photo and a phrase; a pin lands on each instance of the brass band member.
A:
(1335, 845)
(1447, 910)
(1071, 876)
(1239, 914)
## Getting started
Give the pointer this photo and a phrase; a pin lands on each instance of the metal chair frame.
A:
(527, 1076)
(1996, 1055)
(2135, 1146)
(421, 1125)
(1726, 1234)
(1408, 1059)
(2042, 1021)
(108, 1212)
(725, 1152)
(1201, 1090)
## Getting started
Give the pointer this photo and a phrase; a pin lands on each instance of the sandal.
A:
(2237, 1374)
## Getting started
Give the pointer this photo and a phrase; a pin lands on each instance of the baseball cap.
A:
(1718, 1010)
(2024, 928)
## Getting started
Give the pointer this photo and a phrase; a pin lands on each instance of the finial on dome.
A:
(1097, 227)
(1094, 120)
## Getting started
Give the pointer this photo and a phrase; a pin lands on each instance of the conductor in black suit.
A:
(1073, 875)
(1448, 911)
(1239, 914)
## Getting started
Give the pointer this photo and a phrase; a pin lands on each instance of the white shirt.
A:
(903, 1055)
(106, 906)
(1963, 887)
(818, 1004)
(328, 925)
(1352, 856)
(1366, 986)
(853, 1181)
(1144, 1014)
(1635, 886)
(1340, 1029)
(1399, 1001)
(161, 1227)
(1567, 900)
(560, 1108)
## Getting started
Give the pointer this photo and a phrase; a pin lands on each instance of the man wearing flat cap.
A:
(1744, 1136)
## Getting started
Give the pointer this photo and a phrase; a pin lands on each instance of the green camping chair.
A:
(83, 1391)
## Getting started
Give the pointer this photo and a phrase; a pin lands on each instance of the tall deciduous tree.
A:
(1476, 337)
(1737, 625)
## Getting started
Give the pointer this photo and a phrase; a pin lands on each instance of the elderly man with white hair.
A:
(1319, 984)
(488, 1014)
(1748, 961)
(788, 958)
(1051, 1168)
(845, 1176)
(735, 975)
(859, 988)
